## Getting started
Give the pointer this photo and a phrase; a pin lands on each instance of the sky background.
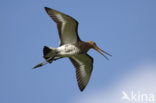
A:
(124, 28)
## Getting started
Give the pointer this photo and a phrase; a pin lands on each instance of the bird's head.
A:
(95, 47)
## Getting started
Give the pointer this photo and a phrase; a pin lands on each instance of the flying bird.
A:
(71, 46)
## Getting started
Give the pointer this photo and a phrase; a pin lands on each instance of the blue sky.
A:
(124, 28)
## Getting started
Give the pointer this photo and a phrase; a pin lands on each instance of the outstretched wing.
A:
(67, 26)
(84, 65)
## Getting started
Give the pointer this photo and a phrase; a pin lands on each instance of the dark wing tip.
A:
(81, 84)
(81, 88)
(46, 9)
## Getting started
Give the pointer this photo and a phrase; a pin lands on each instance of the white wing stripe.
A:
(83, 64)
(59, 16)
(67, 26)
(82, 67)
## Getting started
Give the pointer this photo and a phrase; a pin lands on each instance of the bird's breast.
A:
(68, 50)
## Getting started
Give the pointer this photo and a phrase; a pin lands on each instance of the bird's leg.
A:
(49, 60)
(40, 64)
(54, 58)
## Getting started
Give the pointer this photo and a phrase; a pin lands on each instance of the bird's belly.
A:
(68, 50)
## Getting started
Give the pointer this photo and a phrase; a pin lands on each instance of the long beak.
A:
(98, 50)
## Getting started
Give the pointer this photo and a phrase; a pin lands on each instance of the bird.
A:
(72, 47)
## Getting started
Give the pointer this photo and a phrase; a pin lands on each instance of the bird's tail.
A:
(49, 53)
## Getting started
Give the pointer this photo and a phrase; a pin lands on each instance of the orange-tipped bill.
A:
(100, 51)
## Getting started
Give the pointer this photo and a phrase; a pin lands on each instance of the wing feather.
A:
(67, 26)
(84, 65)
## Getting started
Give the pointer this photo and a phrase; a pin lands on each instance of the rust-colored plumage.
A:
(71, 46)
